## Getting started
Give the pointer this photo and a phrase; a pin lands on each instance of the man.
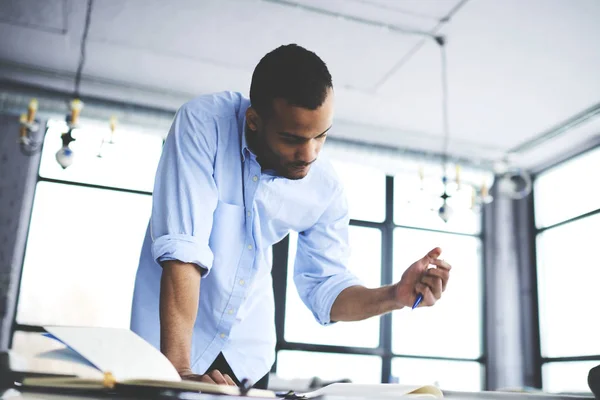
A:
(234, 178)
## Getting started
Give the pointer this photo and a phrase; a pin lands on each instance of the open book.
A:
(110, 358)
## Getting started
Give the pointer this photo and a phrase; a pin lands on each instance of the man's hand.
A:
(213, 376)
(419, 279)
(356, 303)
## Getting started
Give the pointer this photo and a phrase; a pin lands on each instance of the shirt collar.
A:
(242, 121)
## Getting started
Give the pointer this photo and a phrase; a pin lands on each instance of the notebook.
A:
(110, 358)
(117, 358)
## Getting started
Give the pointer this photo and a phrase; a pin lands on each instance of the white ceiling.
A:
(515, 67)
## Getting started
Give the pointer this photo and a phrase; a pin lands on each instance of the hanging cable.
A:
(445, 210)
(82, 47)
(441, 41)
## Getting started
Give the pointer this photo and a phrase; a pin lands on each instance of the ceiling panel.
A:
(515, 69)
(216, 32)
(46, 49)
(44, 15)
(390, 12)
(176, 73)
(32, 47)
(582, 136)
(425, 8)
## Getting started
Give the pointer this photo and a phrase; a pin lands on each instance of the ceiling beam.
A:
(353, 18)
(557, 129)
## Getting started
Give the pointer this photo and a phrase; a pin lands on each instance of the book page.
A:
(191, 386)
(119, 351)
(390, 390)
(36, 353)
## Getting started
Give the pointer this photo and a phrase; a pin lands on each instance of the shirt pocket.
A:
(227, 236)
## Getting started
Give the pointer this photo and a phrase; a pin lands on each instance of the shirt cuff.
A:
(328, 292)
(184, 248)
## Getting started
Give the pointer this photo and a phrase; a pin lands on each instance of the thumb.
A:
(433, 254)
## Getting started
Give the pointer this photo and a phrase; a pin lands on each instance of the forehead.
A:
(298, 120)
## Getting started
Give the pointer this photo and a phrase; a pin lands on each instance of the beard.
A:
(270, 159)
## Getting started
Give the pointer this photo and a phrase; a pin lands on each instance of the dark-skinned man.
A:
(235, 177)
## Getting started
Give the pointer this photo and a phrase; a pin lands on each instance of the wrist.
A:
(395, 296)
(183, 372)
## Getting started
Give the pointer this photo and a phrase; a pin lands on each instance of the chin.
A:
(296, 173)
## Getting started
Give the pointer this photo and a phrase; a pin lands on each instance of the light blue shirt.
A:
(213, 206)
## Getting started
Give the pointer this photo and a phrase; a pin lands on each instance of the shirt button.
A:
(255, 178)
(230, 311)
(248, 213)
(249, 247)
(242, 282)
(223, 335)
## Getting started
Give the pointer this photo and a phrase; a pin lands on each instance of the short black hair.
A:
(292, 73)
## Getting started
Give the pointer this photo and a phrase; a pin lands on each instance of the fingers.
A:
(230, 381)
(428, 297)
(434, 284)
(438, 262)
(433, 254)
(221, 379)
(441, 274)
(206, 379)
(214, 377)
(196, 377)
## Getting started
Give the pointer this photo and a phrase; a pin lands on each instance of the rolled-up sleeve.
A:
(320, 270)
(185, 194)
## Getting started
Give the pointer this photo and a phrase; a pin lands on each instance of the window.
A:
(565, 377)
(365, 190)
(465, 376)
(457, 314)
(129, 163)
(454, 358)
(82, 254)
(573, 183)
(567, 214)
(84, 242)
(568, 289)
(365, 262)
(329, 366)
(416, 204)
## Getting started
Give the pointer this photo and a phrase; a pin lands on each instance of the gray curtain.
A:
(512, 338)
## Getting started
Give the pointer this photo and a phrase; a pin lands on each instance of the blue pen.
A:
(418, 301)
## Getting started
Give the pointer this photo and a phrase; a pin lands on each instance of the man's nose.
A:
(309, 152)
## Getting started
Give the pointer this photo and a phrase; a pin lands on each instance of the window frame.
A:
(540, 360)
(15, 325)
(384, 350)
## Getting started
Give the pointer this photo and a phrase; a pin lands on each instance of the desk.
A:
(15, 395)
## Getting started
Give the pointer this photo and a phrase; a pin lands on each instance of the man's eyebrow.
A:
(291, 135)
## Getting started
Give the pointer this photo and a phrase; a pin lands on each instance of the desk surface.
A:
(16, 395)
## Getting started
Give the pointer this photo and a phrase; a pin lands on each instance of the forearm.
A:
(179, 296)
(358, 302)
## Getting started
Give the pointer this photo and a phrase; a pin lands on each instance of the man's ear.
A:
(253, 120)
